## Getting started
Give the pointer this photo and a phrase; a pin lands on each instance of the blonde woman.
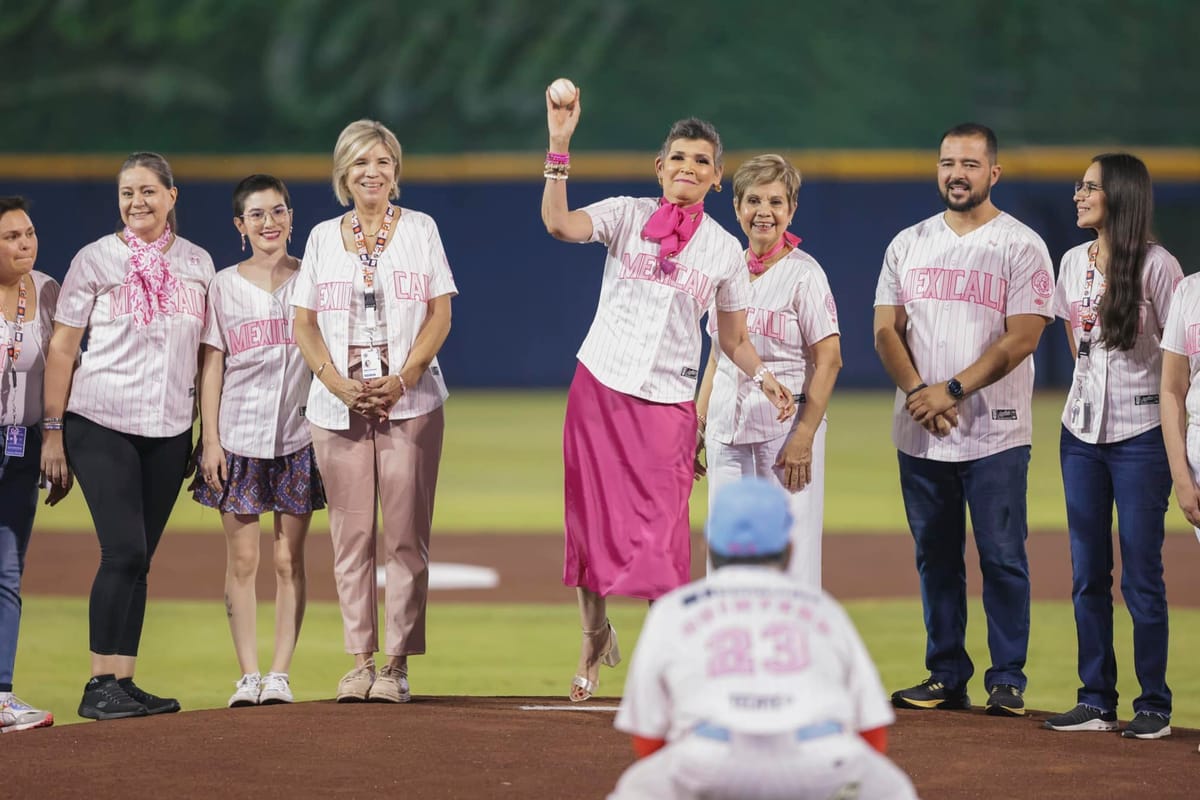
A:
(372, 311)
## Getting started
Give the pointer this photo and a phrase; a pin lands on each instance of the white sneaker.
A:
(275, 689)
(16, 715)
(247, 691)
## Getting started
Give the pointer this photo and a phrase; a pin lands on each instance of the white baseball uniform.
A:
(645, 337)
(22, 404)
(761, 687)
(266, 380)
(139, 380)
(1181, 335)
(412, 271)
(1124, 384)
(791, 308)
(957, 292)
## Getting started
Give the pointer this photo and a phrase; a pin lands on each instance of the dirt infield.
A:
(856, 566)
(471, 747)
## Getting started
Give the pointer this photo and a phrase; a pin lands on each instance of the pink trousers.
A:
(391, 464)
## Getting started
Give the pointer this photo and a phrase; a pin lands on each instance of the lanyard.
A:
(371, 261)
(18, 335)
(1088, 315)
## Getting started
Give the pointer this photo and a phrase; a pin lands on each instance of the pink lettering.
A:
(957, 285)
(644, 267)
(411, 286)
(765, 323)
(1193, 339)
(188, 300)
(334, 296)
(259, 333)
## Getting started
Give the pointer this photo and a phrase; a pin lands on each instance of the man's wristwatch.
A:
(955, 389)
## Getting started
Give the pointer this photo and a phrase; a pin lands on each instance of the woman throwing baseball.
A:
(257, 454)
(630, 427)
(793, 325)
(1114, 294)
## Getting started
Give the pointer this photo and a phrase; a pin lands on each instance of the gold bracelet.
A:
(321, 369)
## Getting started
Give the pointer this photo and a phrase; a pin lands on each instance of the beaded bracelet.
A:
(52, 424)
(558, 158)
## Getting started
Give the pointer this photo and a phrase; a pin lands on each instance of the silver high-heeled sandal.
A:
(582, 688)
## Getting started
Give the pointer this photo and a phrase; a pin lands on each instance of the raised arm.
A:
(561, 222)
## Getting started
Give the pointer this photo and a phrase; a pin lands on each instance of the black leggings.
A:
(130, 484)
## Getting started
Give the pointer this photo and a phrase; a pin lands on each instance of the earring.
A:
(716, 187)
(289, 235)
(243, 242)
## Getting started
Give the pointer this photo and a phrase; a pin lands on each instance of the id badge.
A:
(14, 441)
(1081, 415)
(372, 364)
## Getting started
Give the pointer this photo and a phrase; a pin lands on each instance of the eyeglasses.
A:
(257, 216)
(1086, 188)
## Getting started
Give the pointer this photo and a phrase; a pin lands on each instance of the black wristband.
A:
(915, 389)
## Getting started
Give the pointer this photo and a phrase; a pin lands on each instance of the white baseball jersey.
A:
(645, 337)
(750, 650)
(412, 271)
(1122, 384)
(135, 379)
(958, 291)
(791, 308)
(22, 404)
(266, 380)
(1181, 335)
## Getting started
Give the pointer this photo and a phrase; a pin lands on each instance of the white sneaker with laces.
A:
(275, 689)
(247, 691)
(16, 715)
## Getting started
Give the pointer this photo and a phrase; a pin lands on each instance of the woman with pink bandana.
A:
(122, 419)
(630, 427)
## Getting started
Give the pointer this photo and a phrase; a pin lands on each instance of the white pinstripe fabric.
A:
(136, 380)
(791, 308)
(412, 271)
(706, 646)
(645, 337)
(958, 291)
(1181, 335)
(266, 380)
(1125, 384)
(22, 404)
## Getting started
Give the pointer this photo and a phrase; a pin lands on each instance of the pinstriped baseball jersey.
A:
(134, 379)
(412, 271)
(957, 292)
(751, 650)
(791, 308)
(645, 337)
(1123, 384)
(1181, 335)
(266, 380)
(22, 404)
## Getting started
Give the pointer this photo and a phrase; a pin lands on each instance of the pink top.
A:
(136, 379)
(645, 337)
(266, 380)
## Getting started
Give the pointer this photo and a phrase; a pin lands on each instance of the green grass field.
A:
(502, 469)
(502, 472)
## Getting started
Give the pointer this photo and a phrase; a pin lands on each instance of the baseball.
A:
(563, 92)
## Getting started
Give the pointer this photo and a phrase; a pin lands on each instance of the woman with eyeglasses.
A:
(256, 449)
(122, 420)
(372, 312)
(1115, 294)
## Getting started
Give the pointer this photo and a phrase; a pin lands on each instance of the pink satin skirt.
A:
(628, 475)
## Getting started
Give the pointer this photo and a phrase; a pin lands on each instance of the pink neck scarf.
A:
(152, 286)
(671, 226)
(757, 264)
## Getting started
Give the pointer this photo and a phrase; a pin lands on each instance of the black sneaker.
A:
(931, 694)
(1083, 718)
(104, 698)
(1005, 701)
(1147, 725)
(153, 703)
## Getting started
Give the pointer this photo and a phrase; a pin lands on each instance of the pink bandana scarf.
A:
(152, 286)
(758, 263)
(671, 226)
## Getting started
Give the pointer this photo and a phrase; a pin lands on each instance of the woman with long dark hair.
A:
(1114, 294)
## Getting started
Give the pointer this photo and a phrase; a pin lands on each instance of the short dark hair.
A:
(13, 203)
(257, 182)
(694, 128)
(975, 129)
